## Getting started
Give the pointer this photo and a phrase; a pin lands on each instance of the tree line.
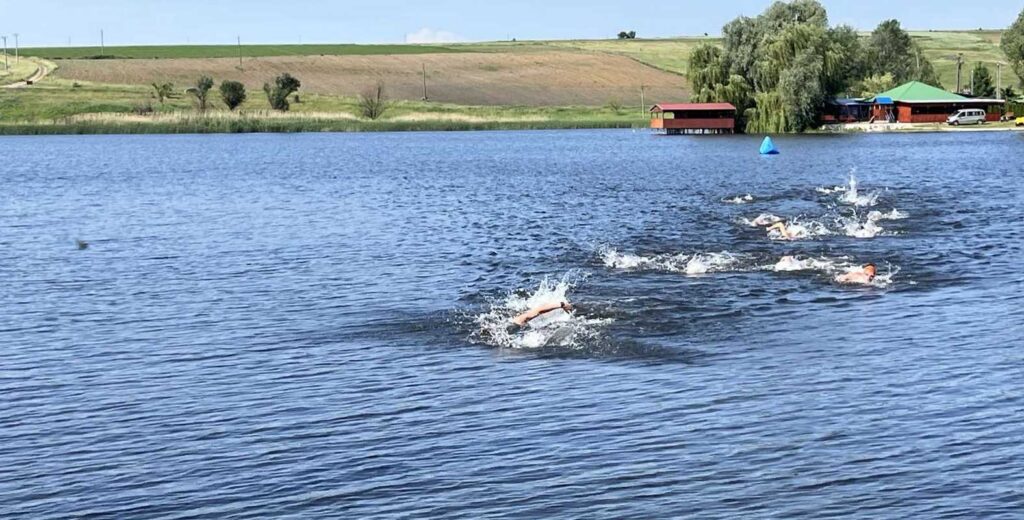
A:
(371, 104)
(779, 68)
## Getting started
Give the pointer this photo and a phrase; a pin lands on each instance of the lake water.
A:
(313, 325)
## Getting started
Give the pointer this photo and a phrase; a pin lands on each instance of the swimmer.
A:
(524, 318)
(765, 219)
(865, 275)
(784, 232)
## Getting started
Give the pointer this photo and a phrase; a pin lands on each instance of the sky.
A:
(140, 22)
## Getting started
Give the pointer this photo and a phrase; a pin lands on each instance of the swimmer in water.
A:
(865, 275)
(520, 321)
(784, 231)
(765, 219)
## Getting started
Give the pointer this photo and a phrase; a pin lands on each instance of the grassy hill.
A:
(941, 48)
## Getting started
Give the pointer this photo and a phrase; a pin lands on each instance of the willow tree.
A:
(778, 68)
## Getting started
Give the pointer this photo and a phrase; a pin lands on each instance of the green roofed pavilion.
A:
(915, 91)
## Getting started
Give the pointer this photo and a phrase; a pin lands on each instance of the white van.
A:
(967, 116)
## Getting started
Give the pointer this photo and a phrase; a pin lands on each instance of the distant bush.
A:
(233, 93)
(374, 102)
(614, 105)
(277, 94)
(201, 91)
(163, 91)
(631, 35)
(76, 85)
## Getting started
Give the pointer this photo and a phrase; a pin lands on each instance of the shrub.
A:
(233, 93)
(163, 91)
(374, 102)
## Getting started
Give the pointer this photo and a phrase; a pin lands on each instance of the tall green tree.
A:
(1013, 45)
(779, 67)
(891, 50)
(876, 84)
(201, 91)
(981, 82)
(278, 92)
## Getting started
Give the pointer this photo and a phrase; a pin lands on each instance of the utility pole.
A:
(425, 98)
(999, 80)
(103, 46)
(959, 67)
(17, 52)
(6, 66)
(239, 52)
(643, 101)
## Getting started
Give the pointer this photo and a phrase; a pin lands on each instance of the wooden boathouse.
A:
(693, 118)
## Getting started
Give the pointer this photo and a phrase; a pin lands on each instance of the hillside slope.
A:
(513, 77)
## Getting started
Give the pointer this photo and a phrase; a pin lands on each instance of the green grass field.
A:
(941, 48)
(228, 51)
(17, 71)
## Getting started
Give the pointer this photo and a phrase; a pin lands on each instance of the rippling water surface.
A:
(304, 325)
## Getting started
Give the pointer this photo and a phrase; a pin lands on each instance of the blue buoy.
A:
(768, 147)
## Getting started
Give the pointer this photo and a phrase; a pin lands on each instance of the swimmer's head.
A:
(567, 307)
(870, 270)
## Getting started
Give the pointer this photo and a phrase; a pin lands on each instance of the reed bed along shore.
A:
(267, 121)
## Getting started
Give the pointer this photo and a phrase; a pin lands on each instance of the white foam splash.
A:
(702, 263)
(895, 214)
(555, 328)
(698, 263)
(764, 219)
(853, 197)
(739, 199)
(828, 190)
(796, 263)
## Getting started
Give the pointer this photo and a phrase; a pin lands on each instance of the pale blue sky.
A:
(54, 22)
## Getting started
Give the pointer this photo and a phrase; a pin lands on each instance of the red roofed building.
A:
(694, 118)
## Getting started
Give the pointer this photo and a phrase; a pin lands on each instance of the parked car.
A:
(967, 116)
(1019, 121)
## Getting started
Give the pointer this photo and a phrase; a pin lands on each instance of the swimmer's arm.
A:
(525, 317)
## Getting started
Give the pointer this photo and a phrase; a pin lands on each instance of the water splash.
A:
(739, 199)
(895, 214)
(553, 329)
(764, 219)
(867, 229)
(852, 195)
(798, 263)
(695, 264)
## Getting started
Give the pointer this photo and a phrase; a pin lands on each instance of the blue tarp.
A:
(883, 100)
(768, 147)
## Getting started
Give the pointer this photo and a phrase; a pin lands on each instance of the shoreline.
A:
(209, 124)
(201, 125)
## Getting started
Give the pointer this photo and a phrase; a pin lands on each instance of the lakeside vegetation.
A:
(57, 106)
(783, 80)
